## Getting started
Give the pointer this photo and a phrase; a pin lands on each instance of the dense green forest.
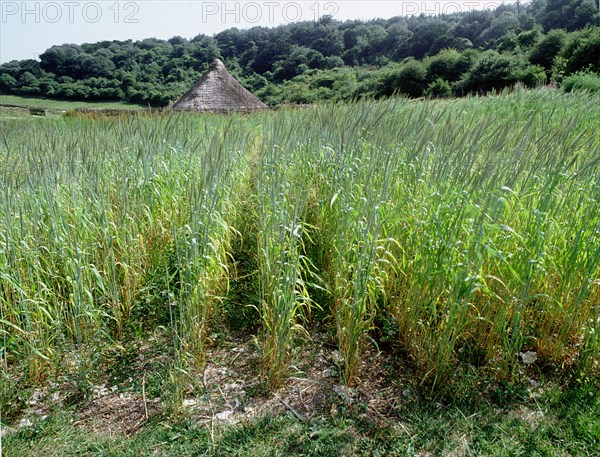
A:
(542, 42)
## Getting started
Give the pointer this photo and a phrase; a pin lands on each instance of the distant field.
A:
(66, 105)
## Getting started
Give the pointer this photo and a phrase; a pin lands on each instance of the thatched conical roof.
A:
(218, 92)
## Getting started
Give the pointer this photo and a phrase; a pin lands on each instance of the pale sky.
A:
(28, 28)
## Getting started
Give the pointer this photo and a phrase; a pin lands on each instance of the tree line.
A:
(544, 41)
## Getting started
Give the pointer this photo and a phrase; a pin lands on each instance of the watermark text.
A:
(71, 12)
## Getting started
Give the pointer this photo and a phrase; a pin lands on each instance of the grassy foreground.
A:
(385, 252)
(557, 425)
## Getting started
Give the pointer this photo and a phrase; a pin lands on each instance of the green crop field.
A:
(445, 251)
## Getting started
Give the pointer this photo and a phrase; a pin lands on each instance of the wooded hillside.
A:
(540, 42)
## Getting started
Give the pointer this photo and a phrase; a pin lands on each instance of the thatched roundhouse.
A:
(218, 92)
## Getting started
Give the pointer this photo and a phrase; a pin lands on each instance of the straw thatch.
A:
(218, 92)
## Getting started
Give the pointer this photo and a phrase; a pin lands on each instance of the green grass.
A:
(555, 425)
(66, 105)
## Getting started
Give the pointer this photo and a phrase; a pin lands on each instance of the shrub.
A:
(449, 64)
(439, 88)
(585, 81)
(497, 71)
(409, 79)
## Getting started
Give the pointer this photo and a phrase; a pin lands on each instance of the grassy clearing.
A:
(461, 238)
(65, 105)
